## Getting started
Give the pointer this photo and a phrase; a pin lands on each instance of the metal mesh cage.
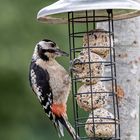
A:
(93, 74)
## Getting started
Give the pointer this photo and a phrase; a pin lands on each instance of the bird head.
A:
(47, 49)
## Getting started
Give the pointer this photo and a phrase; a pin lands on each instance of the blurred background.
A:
(21, 116)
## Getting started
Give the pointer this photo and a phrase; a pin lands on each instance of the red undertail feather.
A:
(59, 110)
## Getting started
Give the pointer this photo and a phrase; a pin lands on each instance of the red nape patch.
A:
(58, 109)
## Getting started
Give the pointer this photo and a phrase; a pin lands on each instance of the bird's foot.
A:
(76, 66)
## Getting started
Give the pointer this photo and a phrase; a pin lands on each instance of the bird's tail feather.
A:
(62, 121)
(59, 128)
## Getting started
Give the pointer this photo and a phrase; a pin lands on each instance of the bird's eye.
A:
(52, 45)
(50, 51)
(43, 50)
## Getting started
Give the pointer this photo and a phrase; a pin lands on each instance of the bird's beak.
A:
(61, 53)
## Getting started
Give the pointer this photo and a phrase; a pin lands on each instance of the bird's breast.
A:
(59, 80)
(60, 83)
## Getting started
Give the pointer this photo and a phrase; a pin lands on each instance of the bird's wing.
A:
(39, 81)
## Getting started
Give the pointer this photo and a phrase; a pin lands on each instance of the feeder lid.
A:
(57, 12)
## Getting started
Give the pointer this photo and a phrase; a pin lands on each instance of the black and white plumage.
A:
(51, 83)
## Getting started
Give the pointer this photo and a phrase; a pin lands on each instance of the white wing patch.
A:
(46, 106)
(35, 87)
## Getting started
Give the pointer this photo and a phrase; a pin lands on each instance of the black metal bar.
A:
(80, 34)
(104, 62)
(94, 24)
(72, 84)
(86, 93)
(87, 28)
(115, 73)
(91, 19)
(80, 48)
(112, 71)
(105, 78)
(75, 83)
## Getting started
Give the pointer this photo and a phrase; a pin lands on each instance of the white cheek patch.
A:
(50, 55)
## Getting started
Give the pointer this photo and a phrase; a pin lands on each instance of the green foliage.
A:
(21, 116)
